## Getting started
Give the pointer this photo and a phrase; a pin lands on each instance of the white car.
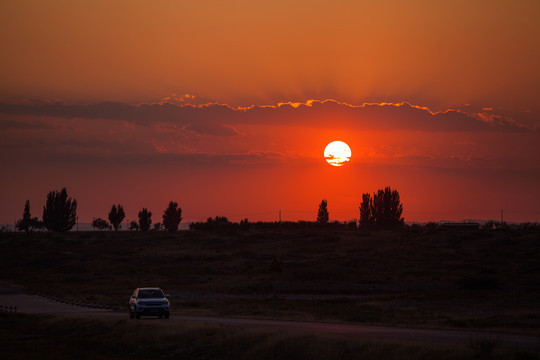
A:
(149, 301)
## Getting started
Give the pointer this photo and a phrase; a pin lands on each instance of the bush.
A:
(100, 224)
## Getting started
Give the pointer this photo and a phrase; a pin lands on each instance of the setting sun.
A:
(337, 153)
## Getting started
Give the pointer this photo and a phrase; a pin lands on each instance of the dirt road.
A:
(33, 304)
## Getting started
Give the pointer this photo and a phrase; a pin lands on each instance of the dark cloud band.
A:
(219, 119)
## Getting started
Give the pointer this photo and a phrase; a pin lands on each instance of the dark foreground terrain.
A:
(41, 337)
(486, 280)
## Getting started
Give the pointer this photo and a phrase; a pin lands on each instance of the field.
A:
(413, 277)
(36, 337)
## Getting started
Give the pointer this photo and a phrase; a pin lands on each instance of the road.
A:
(33, 304)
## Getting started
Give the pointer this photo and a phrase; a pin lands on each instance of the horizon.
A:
(184, 226)
(227, 108)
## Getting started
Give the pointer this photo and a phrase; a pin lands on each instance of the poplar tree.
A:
(116, 216)
(60, 211)
(172, 217)
(145, 219)
(387, 208)
(366, 207)
(384, 209)
(322, 215)
(27, 223)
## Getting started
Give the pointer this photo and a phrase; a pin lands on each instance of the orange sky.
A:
(438, 100)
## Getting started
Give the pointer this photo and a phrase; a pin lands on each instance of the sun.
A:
(337, 153)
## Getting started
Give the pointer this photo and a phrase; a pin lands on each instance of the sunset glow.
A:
(224, 107)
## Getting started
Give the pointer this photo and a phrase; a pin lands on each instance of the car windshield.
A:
(147, 294)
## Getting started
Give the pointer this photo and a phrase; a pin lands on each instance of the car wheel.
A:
(137, 315)
(131, 315)
(166, 315)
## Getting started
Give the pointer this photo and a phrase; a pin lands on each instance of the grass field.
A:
(412, 277)
(36, 337)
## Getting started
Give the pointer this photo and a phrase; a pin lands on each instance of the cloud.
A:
(215, 135)
(220, 119)
(11, 124)
(191, 159)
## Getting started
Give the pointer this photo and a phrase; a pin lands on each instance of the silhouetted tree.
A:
(244, 224)
(60, 211)
(116, 215)
(36, 224)
(145, 219)
(24, 223)
(366, 214)
(157, 226)
(172, 217)
(387, 208)
(100, 224)
(322, 215)
(133, 225)
(220, 223)
(218, 220)
(28, 223)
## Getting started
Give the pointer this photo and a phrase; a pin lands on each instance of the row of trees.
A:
(220, 223)
(384, 209)
(116, 216)
(60, 215)
(172, 216)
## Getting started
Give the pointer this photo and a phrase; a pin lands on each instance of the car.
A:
(149, 301)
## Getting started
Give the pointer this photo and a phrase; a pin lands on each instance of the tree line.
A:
(383, 209)
(172, 216)
(60, 215)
